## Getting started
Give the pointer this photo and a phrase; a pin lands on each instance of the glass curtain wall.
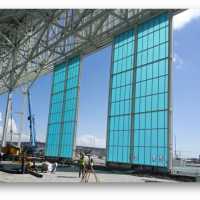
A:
(119, 118)
(138, 100)
(151, 96)
(63, 110)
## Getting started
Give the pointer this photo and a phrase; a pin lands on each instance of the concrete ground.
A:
(70, 175)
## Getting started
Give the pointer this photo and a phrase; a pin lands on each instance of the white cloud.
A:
(90, 141)
(13, 125)
(1, 130)
(184, 18)
(39, 136)
(24, 137)
(0, 116)
(178, 61)
(14, 128)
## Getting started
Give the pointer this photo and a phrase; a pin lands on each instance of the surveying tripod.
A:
(86, 175)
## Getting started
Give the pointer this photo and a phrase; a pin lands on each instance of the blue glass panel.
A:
(125, 155)
(120, 152)
(125, 139)
(149, 84)
(115, 150)
(154, 119)
(110, 153)
(155, 86)
(161, 138)
(161, 157)
(147, 155)
(136, 138)
(142, 121)
(143, 88)
(147, 138)
(142, 138)
(150, 98)
(156, 38)
(149, 71)
(156, 53)
(136, 155)
(60, 139)
(161, 84)
(121, 93)
(161, 100)
(142, 104)
(154, 102)
(162, 68)
(136, 121)
(154, 138)
(150, 40)
(155, 70)
(138, 87)
(161, 119)
(148, 103)
(148, 120)
(141, 155)
(154, 156)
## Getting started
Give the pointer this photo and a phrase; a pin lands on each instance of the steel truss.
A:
(33, 41)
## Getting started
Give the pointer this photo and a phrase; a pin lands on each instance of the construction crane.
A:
(11, 149)
(8, 148)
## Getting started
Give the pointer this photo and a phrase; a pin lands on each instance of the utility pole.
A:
(11, 125)
(175, 146)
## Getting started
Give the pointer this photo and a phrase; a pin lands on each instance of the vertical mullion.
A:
(170, 114)
(109, 103)
(50, 105)
(77, 110)
(157, 129)
(133, 98)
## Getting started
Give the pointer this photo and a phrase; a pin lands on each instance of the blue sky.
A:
(186, 83)
(94, 91)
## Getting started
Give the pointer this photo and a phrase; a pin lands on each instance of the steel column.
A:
(170, 110)
(6, 118)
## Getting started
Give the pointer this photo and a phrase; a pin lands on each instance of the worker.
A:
(89, 170)
(81, 165)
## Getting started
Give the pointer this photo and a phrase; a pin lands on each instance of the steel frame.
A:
(32, 42)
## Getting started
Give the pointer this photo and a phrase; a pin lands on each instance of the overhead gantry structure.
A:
(32, 42)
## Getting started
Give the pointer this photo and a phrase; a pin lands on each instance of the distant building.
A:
(99, 152)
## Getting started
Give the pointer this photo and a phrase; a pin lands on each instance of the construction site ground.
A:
(70, 175)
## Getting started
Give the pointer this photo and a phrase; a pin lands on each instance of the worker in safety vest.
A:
(81, 165)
